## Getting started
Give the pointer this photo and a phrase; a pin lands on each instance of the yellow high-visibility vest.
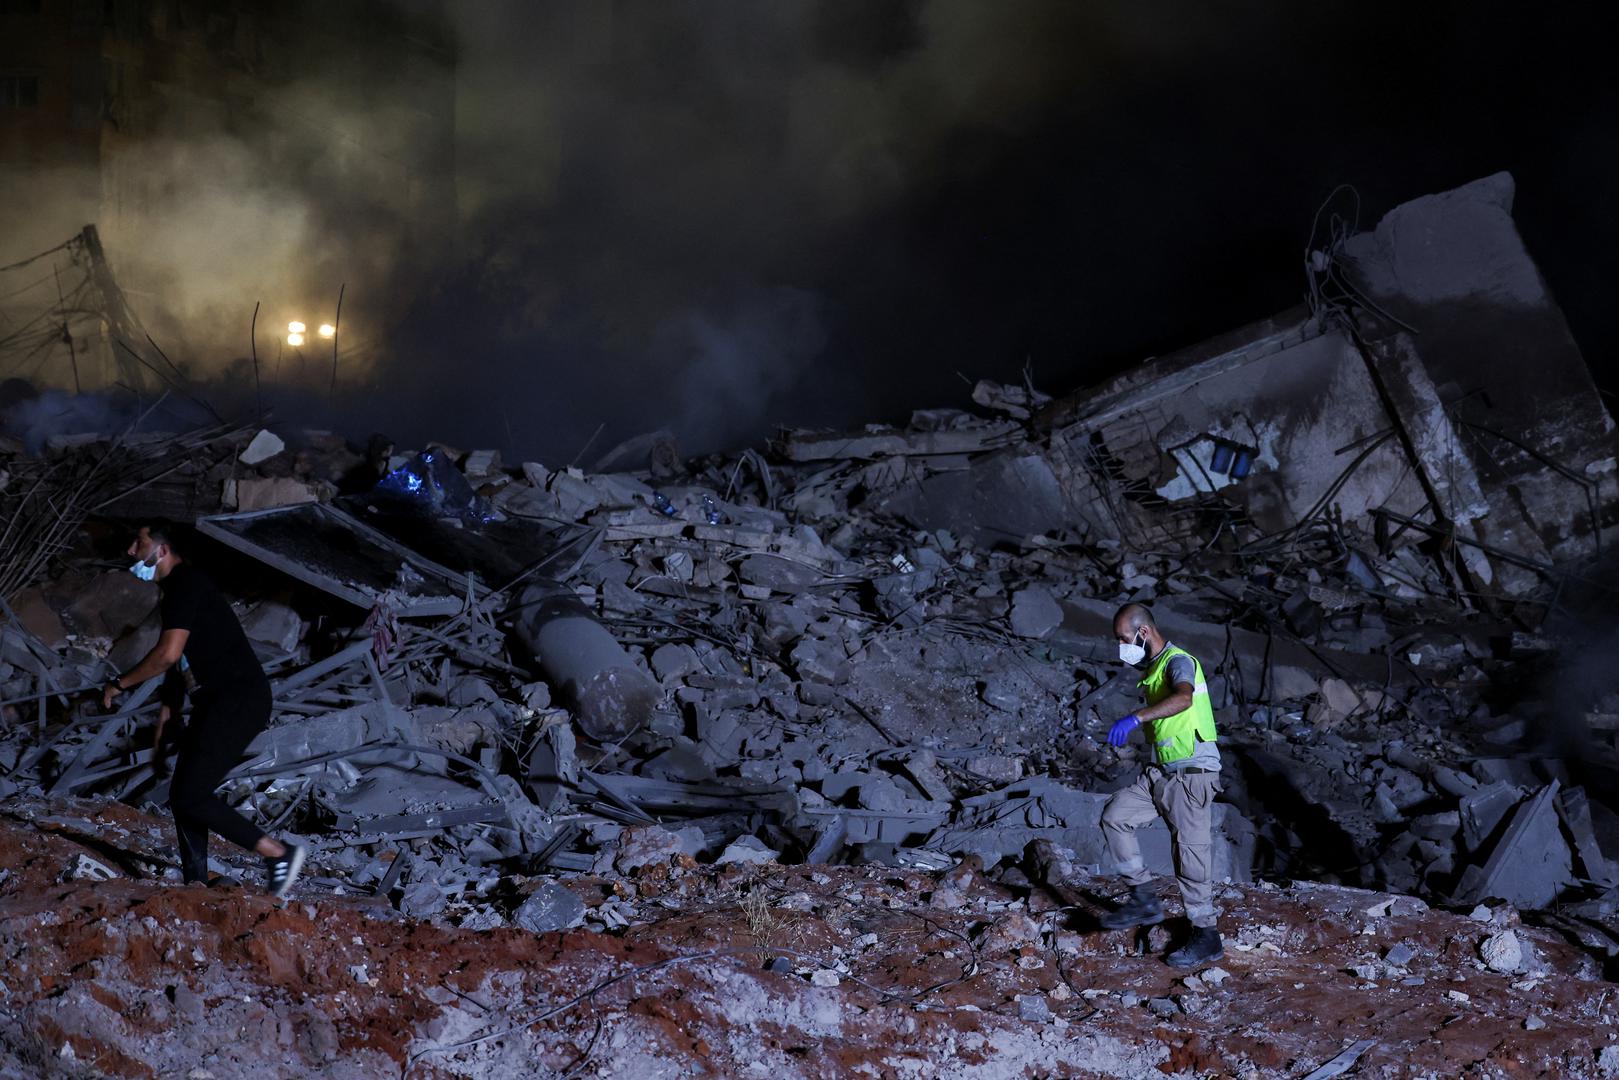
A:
(1174, 738)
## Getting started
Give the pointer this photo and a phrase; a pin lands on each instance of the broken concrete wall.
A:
(1453, 268)
(1271, 430)
(1457, 397)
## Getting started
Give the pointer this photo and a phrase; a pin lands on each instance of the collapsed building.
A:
(534, 699)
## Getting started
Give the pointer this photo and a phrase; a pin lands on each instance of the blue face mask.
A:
(143, 571)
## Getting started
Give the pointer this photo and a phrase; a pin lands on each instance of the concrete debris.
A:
(1035, 612)
(1033, 1008)
(748, 850)
(893, 646)
(550, 908)
(264, 446)
(1530, 865)
(1502, 952)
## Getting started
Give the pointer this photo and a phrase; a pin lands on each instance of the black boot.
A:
(1201, 948)
(1142, 909)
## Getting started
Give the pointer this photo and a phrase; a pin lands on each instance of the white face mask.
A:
(1132, 653)
(143, 571)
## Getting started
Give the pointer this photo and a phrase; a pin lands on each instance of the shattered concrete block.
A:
(481, 463)
(1575, 810)
(1000, 694)
(778, 574)
(1339, 696)
(880, 793)
(275, 624)
(673, 661)
(647, 845)
(535, 696)
(550, 908)
(997, 768)
(1399, 955)
(1035, 612)
(263, 493)
(1033, 1008)
(1502, 952)
(747, 850)
(464, 690)
(1482, 811)
(422, 900)
(264, 446)
(1452, 783)
(1530, 865)
(922, 767)
(822, 661)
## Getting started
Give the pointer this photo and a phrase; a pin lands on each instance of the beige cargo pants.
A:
(1186, 801)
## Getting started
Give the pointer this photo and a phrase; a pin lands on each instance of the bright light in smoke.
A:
(295, 327)
(328, 330)
(295, 339)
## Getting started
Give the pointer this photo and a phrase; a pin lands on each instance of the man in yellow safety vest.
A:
(1180, 784)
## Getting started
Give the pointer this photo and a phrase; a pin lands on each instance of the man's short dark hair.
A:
(1136, 616)
(163, 531)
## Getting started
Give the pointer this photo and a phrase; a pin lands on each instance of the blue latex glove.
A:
(1121, 731)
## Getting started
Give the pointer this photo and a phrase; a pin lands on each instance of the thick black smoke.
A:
(719, 217)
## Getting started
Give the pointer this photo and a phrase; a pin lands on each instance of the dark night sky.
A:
(704, 226)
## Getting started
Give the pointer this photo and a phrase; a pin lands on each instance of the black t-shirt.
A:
(217, 649)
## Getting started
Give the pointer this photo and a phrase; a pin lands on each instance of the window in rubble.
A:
(18, 91)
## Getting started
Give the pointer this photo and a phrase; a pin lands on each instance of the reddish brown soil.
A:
(136, 978)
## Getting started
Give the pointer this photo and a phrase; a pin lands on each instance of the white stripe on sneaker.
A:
(289, 871)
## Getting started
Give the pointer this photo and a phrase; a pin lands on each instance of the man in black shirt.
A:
(229, 707)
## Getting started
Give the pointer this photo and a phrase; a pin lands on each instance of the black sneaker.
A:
(1202, 947)
(283, 872)
(1141, 909)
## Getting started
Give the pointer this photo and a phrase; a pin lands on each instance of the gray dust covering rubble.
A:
(893, 647)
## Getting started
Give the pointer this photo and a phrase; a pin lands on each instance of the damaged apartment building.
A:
(1431, 388)
(762, 759)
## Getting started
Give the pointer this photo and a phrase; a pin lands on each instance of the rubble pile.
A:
(525, 698)
(880, 693)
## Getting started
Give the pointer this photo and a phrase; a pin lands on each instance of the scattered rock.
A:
(1035, 612)
(264, 446)
(1033, 1008)
(1502, 952)
(1399, 955)
(550, 908)
(748, 850)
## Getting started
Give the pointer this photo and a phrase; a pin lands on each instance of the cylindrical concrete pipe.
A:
(582, 661)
